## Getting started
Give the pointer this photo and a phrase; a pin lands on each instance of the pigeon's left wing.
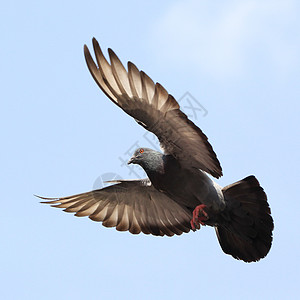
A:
(153, 108)
(130, 205)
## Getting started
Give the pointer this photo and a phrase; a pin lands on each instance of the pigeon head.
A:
(147, 158)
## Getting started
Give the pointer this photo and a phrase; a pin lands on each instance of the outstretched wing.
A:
(134, 206)
(152, 107)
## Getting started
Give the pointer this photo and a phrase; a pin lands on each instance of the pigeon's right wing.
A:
(134, 206)
(153, 108)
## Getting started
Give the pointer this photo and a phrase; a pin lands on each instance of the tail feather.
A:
(246, 229)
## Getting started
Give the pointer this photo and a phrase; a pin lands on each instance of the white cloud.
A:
(223, 38)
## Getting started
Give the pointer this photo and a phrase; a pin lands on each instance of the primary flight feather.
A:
(178, 194)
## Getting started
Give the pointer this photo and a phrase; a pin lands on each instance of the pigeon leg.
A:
(199, 217)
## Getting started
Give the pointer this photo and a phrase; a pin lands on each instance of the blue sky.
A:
(60, 134)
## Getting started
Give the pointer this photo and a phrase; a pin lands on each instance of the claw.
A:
(199, 217)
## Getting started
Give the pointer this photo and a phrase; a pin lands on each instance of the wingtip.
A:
(42, 202)
(86, 50)
(40, 197)
(95, 43)
(114, 59)
(131, 67)
(49, 200)
(85, 47)
(111, 53)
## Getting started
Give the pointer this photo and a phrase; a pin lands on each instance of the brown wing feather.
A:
(134, 206)
(152, 107)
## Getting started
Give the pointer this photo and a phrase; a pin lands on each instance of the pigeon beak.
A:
(131, 160)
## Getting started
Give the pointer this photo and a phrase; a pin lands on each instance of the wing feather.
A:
(153, 108)
(135, 80)
(120, 74)
(134, 206)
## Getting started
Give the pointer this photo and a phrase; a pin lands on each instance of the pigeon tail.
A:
(246, 229)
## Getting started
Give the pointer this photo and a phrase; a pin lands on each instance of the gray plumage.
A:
(178, 194)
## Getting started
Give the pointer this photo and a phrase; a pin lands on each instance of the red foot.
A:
(199, 217)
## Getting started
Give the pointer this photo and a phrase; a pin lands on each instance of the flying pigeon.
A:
(178, 195)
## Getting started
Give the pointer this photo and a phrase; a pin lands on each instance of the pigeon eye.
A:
(141, 150)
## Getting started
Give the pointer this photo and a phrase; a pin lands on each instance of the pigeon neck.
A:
(154, 164)
(159, 168)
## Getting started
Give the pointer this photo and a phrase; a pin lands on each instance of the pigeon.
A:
(179, 194)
